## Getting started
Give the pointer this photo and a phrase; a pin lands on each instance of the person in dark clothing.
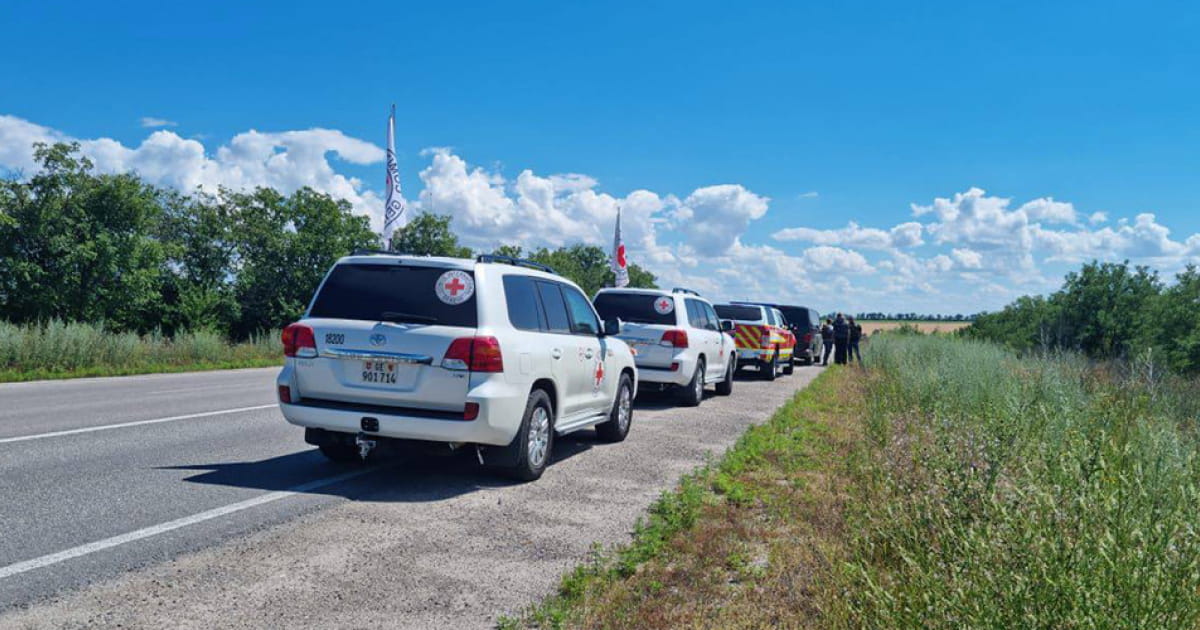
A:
(826, 340)
(855, 337)
(841, 339)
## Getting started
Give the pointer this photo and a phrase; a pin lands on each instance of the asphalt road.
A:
(185, 500)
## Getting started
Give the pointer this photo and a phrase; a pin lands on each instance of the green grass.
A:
(68, 350)
(950, 484)
(998, 492)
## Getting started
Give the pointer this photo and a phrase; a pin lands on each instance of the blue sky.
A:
(873, 107)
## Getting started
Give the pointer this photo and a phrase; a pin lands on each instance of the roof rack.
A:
(683, 290)
(518, 262)
(366, 251)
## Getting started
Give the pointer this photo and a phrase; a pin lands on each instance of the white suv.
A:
(678, 341)
(497, 353)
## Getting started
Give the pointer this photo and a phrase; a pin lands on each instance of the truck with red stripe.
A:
(762, 338)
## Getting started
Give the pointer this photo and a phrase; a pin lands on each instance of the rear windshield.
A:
(796, 316)
(739, 313)
(635, 308)
(391, 293)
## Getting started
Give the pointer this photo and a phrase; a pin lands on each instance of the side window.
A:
(780, 320)
(583, 318)
(695, 314)
(714, 322)
(524, 307)
(556, 311)
(770, 316)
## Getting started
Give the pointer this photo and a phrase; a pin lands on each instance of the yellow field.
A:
(870, 327)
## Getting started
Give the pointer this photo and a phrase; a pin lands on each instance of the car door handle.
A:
(556, 353)
(589, 354)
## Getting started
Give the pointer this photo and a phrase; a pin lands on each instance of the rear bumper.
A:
(501, 408)
(652, 375)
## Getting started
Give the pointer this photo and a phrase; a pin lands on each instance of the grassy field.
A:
(62, 350)
(948, 485)
(870, 327)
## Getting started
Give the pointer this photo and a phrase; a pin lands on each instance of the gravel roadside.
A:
(428, 544)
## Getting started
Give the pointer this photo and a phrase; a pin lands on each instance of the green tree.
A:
(588, 266)
(199, 235)
(79, 246)
(1101, 307)
(284, 247)
(1172, 326)
(428, 234)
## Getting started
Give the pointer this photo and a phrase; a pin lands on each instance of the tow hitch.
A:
(365, 445)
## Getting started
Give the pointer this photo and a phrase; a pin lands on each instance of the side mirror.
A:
(611, 327)
(726, 325)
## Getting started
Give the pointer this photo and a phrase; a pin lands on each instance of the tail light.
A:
(766, 336)
(285, 394)
(676, 337)
(477, 354)
(471, 411)
(808, 337)
(299, 341)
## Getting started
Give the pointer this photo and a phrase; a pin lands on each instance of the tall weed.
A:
(1004, 492)
(58, 348)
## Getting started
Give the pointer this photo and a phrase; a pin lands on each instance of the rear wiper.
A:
(412, 318)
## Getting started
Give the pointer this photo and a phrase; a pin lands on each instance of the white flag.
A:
(394, 206)
(619, 265)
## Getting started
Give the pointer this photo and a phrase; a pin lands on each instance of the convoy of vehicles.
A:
(501, 355)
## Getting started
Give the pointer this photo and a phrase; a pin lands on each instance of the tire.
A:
(535, 439)
(621, 416)
(725, 387)
(693, 393)
(770, 369)
(340, 452)
(790, 366)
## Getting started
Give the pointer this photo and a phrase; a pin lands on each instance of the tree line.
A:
(1107, 311)
(114, 250)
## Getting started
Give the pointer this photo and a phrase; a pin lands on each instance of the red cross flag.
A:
(619, 265)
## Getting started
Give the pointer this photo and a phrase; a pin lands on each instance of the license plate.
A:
(379, 372)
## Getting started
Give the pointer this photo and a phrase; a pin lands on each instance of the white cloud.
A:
(854, 235)
(824, 258)
(286, 160)
(152, 122)
(1098, 217)
(812, 194)
(967, 258)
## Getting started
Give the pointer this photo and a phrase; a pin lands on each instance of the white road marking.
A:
(154, 530)
(136, 423)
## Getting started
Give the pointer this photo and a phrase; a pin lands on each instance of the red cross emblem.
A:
(454, 286)
(621, 255)
(599, 373)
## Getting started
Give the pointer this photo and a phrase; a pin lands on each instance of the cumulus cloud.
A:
(286, 160)
(854, 235)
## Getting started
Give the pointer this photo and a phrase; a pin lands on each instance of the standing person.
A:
(855, 337)
(826, 340)
(841, 338)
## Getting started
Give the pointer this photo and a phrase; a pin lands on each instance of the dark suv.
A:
(805, 323)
